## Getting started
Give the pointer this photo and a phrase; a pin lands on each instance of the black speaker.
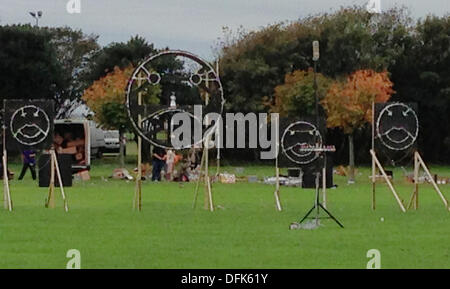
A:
(309, 175)
(65, 167)
(294, 172)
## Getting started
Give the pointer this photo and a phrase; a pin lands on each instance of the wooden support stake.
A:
(277, 190)
(374, 170)
(435, 186)
(219, 143)
(51, 187)
(55, 171)
(58, 174)
(208, 194)
(6, 192)
(276, 121)
(204, 175)
(208, 203)
(324, 186)
(414, 196)
(204, 169)
(197, 186)
(388, 181)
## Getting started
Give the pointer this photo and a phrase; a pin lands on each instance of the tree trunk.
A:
(351, 154)
(122, 149)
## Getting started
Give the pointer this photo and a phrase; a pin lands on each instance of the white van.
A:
(112, 141)
(97, 140)
(103, 141)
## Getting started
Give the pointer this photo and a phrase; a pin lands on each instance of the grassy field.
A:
(245, 232)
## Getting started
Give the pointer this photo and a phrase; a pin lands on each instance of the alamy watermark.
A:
(75, 259)
(375, 259)
(241, 131)
(73, 7)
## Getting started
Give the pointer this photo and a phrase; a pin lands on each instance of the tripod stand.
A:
(318, 205)
(319, 149)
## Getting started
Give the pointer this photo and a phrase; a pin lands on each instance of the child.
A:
(170, 162)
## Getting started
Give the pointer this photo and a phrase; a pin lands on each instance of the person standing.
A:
(29, 161)
(170, 163)
(158, 162)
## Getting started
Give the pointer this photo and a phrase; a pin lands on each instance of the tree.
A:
(29, 68)
(43, 62)
(106, 98)
(349, 105)
(254, 63)
(121, 55)
(74, 50)
(422, 75)
(296, 97)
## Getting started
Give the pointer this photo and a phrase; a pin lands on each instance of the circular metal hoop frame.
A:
(386, 139)
(161, 112)
(30, 140)
(296, 157)
(150, 77)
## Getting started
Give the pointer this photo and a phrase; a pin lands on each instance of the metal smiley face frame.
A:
(155, 126)
(397, 126)
(180, 76)
(30, 125)
(295, 136)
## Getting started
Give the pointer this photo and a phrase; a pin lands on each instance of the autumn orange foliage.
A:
(108, 89)
(349, 104)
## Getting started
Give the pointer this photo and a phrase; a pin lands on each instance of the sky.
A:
(192, 25)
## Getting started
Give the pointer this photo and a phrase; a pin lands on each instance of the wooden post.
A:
(138, 190)
(219, 143)
(324, 186)
(416, 180)
(208, 194)
(373, 158)
(218, 132)
(388, 181)
(277, 169)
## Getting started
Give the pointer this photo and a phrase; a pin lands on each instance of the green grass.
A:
(246, 232)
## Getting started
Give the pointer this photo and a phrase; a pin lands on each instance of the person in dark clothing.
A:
(158, 162)
(29, 161)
